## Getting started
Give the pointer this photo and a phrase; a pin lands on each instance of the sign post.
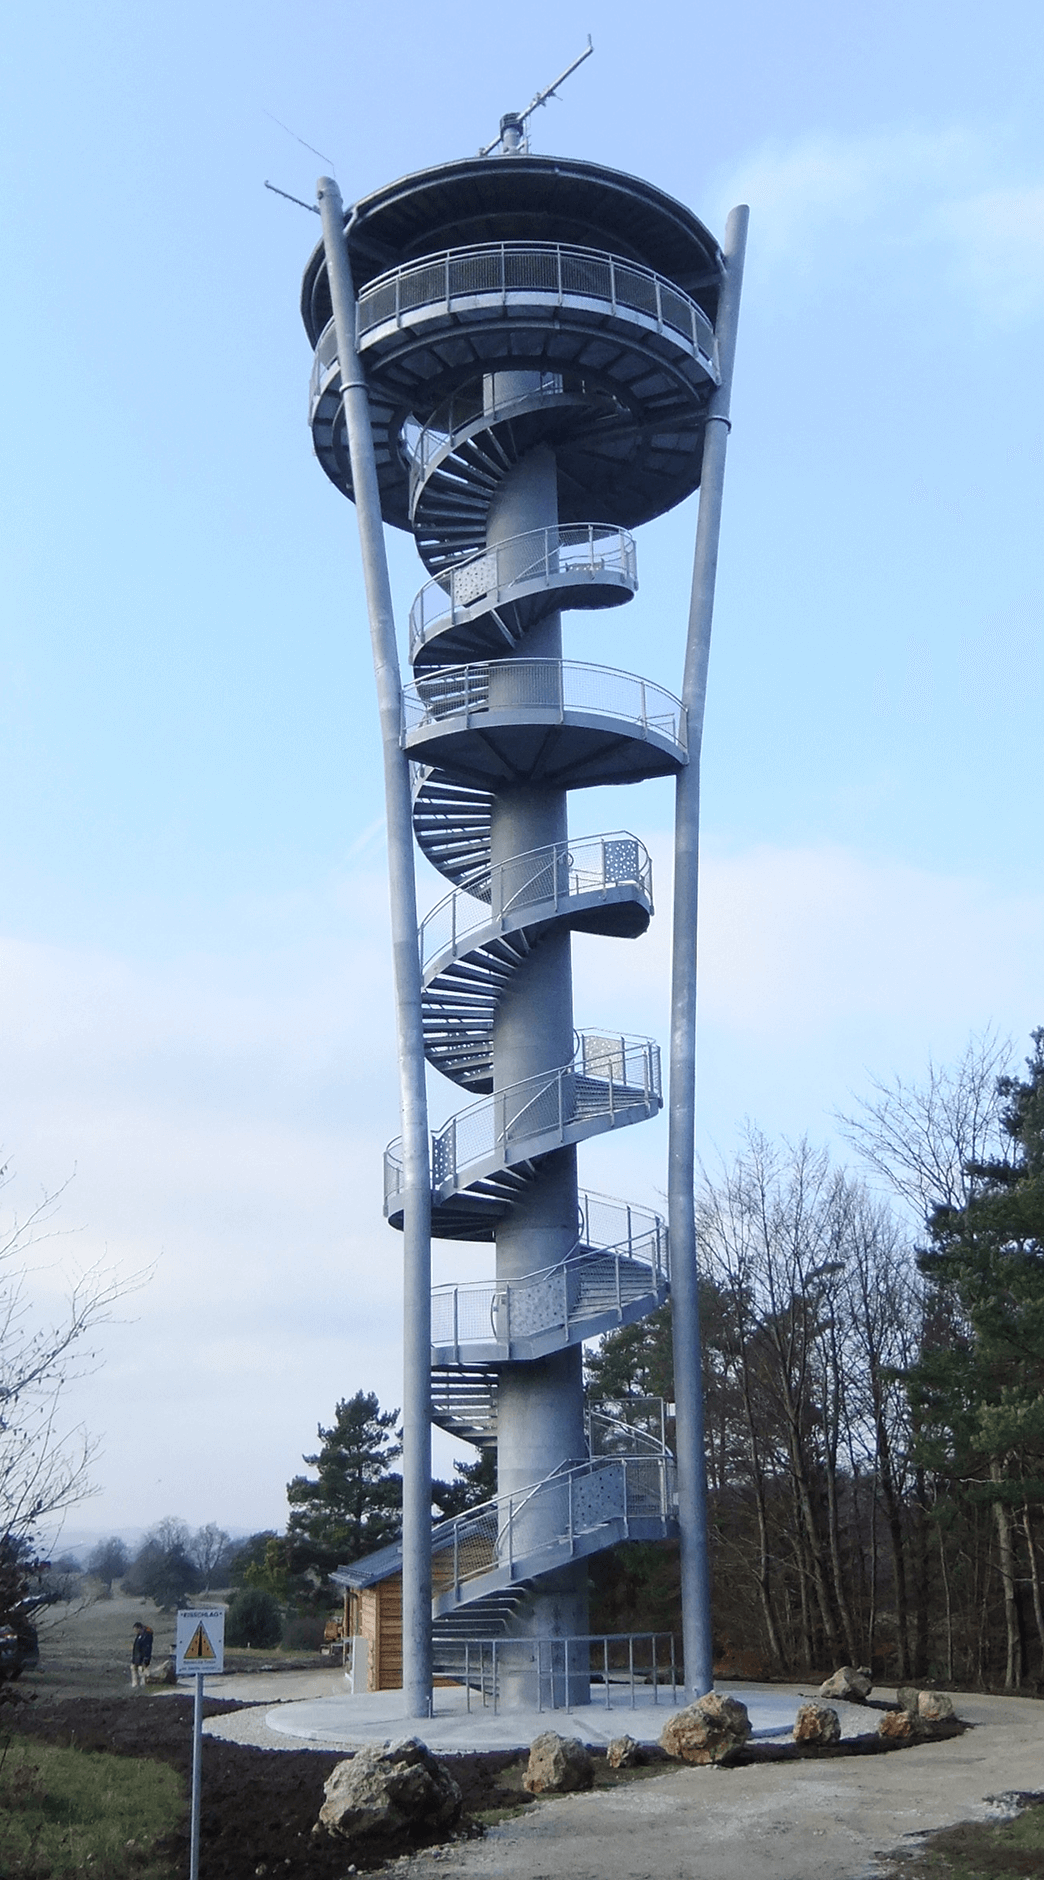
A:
(199, 1651)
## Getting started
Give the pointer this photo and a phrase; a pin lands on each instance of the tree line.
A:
(873, 1348)
(874, 1388)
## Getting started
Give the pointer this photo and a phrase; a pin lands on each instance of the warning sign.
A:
(200, 1648)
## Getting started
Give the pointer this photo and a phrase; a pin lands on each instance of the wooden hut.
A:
(373, 1612)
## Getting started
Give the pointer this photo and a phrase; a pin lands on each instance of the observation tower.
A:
(517, 355)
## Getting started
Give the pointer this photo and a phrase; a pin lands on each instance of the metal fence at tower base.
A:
(623, 1670)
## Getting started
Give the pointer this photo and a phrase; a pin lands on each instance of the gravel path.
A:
(803, 1821)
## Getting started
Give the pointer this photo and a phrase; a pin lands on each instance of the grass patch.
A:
(74, 1811)
(492, 1817)
(980, 1850)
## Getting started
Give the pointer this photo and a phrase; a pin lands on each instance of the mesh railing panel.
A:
(530, 267)
(417, 288)
(476, 272)
(586, 275)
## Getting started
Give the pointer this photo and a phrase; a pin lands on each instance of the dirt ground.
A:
(778, 1817)
(258, 1806)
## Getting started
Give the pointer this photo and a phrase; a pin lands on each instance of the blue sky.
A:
(195, 1010)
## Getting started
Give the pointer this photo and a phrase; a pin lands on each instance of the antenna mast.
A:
(513, 134)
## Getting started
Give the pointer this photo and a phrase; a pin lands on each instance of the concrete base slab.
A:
(340, 1721)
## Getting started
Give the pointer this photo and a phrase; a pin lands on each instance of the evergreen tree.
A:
(354, 1505)
(978, 1388)
(473, 1484)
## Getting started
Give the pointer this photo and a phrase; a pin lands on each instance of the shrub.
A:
(304, 1632)
(254, 1618)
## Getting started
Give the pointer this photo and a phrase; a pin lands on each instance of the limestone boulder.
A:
(557, 1765)
(817, 1724)
(934, 1707)
(899, 1726)
(624, 1753)
(389, 1791)
(708, 1731)
(907, 1697)
(852, 1686)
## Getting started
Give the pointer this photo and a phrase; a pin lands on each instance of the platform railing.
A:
(591, 1282)
(594, 551)
(545, 686)
(556, 271)
(550, 1518)
(549, 877)
(609, 1076)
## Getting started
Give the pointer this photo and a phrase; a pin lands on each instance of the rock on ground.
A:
(707, 1731)
(557, 1765)
(853, 1686)
(623, 1753)
(934, 1707)
(920, 1714)
(389, 1789)
(817, 1723)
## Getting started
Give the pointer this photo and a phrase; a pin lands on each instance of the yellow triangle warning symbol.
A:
(199, 1645)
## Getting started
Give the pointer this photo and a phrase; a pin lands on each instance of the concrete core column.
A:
(541, 1406)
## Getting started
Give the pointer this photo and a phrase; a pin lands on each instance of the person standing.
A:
(141, 1652)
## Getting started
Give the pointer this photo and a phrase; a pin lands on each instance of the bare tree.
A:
(208, 1548)
(44, 1460)
(108, 1561)
(928, 1139)
(769, 1237)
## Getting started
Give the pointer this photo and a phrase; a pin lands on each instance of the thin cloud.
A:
(945, 195)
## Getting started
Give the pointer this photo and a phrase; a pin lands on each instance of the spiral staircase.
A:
(532, 401)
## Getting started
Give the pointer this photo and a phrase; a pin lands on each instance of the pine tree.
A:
(354, 1506)
(978, 1388)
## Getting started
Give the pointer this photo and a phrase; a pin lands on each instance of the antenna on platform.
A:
(513, 135)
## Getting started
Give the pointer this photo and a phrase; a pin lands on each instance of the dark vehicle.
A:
(19, 1650)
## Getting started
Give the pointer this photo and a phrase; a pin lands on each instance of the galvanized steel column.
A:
(416, 1407)
(688, 1382)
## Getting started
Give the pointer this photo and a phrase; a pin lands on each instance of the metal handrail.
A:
(532, 685)
(578, 551)
(553, 875)
(501, 1311)
(601, 1427)
(609, 1075)
(485, 1539)
(467, 413)
(555, 270)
